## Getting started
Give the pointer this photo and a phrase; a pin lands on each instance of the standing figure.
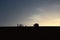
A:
(20, 25)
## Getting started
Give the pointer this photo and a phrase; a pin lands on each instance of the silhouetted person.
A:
(25, 25)
(36, 25)
(20, 25)
(17, 25)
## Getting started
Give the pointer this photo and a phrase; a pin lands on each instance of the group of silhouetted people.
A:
(35, 25)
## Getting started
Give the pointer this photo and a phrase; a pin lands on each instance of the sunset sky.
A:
(28, 12)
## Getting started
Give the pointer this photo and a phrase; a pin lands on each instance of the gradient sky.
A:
(28, 12)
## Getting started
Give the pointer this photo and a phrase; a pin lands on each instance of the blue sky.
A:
(28, 12)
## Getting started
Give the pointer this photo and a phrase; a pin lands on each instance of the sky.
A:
(28, 12)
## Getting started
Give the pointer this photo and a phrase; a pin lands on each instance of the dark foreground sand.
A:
(29, 29)
(42, 31)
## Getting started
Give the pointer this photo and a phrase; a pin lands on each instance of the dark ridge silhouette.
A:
(34, 25)
(35, 28)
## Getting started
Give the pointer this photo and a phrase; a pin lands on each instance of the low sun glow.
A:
(53, 21)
